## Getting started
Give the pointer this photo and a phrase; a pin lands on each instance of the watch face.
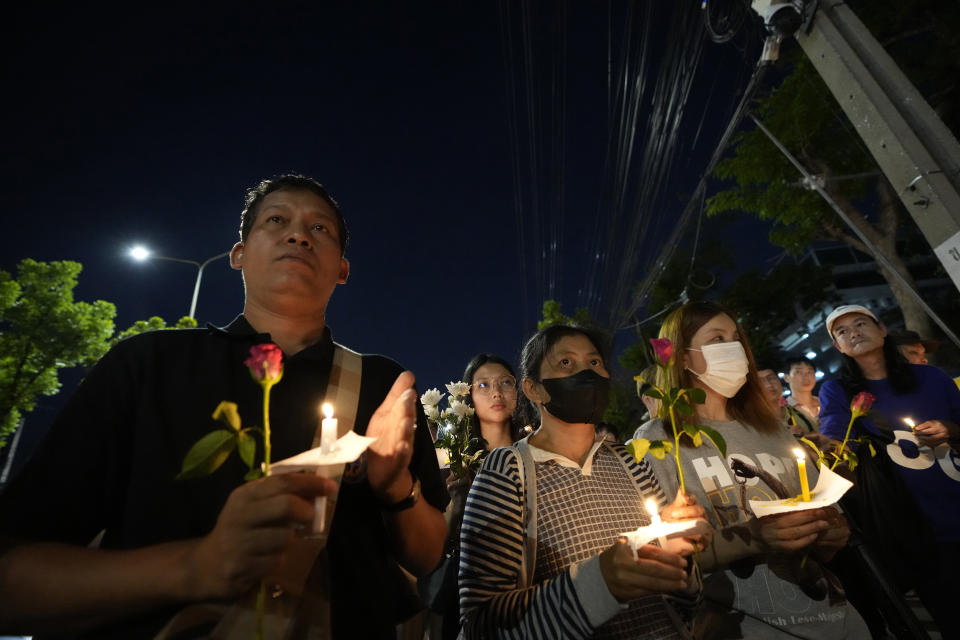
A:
(356, 471)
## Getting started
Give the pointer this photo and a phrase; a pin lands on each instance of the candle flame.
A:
(799, 453)
(910, 422)
(327, 410)
(652, 509)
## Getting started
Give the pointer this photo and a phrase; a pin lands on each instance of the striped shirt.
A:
(580, 513)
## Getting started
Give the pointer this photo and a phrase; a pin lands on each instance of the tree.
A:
(767, 303)
(42, 330)
(803, 114)
(155, 323)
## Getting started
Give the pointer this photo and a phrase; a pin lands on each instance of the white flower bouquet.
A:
(465, 449)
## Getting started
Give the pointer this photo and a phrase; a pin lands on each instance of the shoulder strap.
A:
(343, 389)
(528, 476)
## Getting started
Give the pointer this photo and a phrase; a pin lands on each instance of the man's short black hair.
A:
(289, 182)
(792, 360)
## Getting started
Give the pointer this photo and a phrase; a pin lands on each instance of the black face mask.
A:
(577, 399)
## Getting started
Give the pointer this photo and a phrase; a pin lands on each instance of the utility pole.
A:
(914, 149)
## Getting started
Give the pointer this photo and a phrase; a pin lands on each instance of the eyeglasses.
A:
(503, 385)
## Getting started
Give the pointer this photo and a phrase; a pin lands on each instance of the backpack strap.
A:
(528, 492)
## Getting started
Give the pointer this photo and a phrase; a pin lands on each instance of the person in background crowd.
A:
(801, 377)
(493, 395)
(914, 348)
(764, 577)
(925, 456)
(110, 461)
(559, 570)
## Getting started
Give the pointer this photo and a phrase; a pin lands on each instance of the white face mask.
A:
(727, 367)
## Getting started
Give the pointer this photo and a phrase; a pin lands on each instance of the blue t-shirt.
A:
(932, 475)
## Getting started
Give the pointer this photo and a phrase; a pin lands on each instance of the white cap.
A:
(843, 310)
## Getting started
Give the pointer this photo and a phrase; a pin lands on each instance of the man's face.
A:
(855, 334)
(914, 353)
(292, 249)
(771, 385)
(801, 377)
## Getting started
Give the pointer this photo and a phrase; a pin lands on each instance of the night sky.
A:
(146, 123)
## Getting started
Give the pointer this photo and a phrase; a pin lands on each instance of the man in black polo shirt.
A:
(110, 460)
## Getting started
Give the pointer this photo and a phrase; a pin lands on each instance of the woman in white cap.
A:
(925, 456)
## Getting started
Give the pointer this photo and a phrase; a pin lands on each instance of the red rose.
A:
(663, 349)
(265, 362)
(861, 403)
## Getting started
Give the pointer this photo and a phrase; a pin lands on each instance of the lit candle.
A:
(910, 423)
(328, 429)
(655, 522)
(802, 467)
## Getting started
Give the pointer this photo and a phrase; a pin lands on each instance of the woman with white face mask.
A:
(754, 584)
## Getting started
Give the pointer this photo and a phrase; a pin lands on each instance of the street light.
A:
(141, 253)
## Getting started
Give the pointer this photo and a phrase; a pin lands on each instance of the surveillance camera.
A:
(781, 17)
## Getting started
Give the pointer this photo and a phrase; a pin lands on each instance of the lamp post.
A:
(140, 254)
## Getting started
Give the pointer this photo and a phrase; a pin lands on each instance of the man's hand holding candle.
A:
(935, 432)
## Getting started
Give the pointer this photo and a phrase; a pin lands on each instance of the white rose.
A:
(458, 389)
(432, 412)
(459, 408)
(431, 397)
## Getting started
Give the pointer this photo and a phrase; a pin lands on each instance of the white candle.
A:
(655, 522)
(328, 429)
(328, 439)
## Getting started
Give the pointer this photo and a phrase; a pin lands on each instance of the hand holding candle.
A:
(696, 527)
(802, 468)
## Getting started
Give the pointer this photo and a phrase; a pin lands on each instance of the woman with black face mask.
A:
(541, 555)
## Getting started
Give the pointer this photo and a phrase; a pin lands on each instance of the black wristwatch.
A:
(407, 502)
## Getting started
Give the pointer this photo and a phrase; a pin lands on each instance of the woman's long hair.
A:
(749, 405)
(516, 426)
(899, 372)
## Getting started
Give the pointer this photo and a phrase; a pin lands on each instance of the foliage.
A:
(155, 323)
(42, 330)
(766, 303)
(553, 314)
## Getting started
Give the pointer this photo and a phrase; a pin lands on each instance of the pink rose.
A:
(265, 362)
(861, 403)
(783, 401)
(663, 349)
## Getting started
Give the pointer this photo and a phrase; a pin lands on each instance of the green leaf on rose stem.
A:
(873, 452)
(660, 448)
(654, 393)
(716, 439)
(226, 412)
(208, 454)
(697, 395)
(690, 429)
(247, 448)
(697, 439)
(683, 408)
(851, 459)
(638, 448)
(813, 446)
(253, 474)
